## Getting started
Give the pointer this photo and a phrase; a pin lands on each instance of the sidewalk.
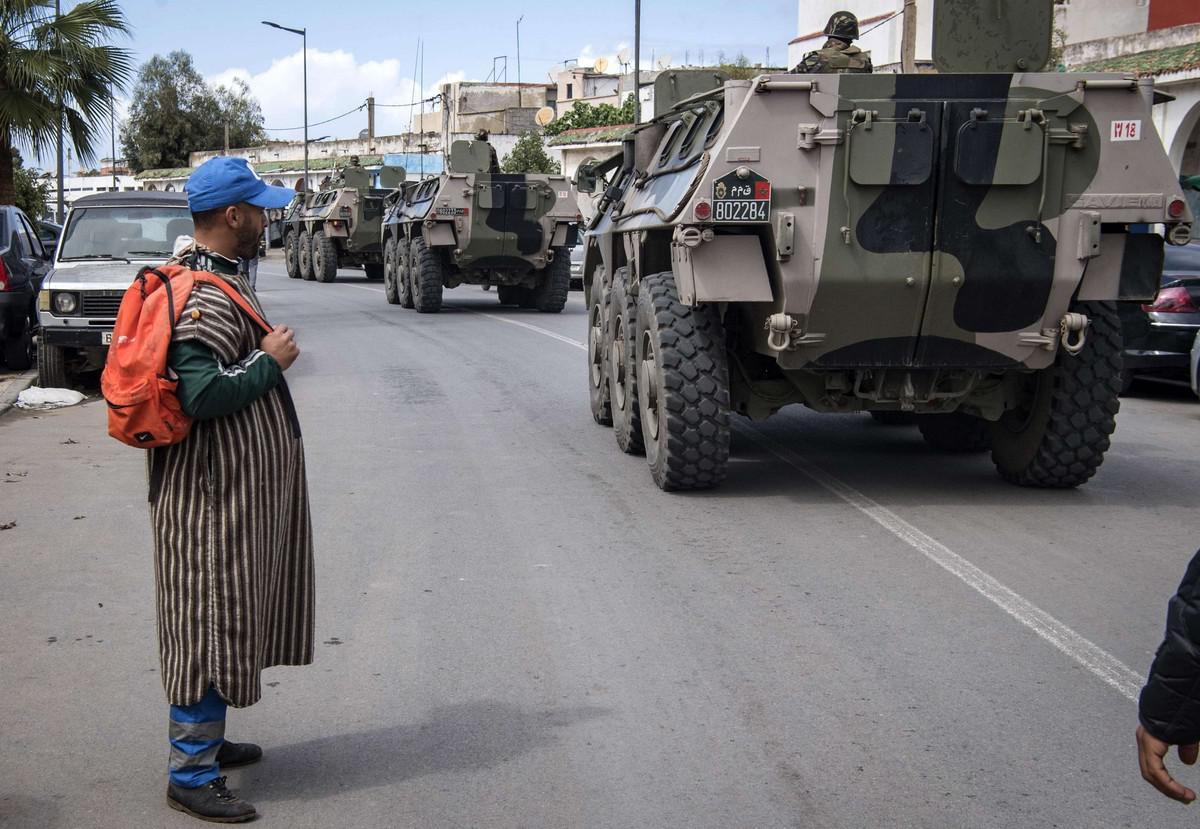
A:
(12, 383)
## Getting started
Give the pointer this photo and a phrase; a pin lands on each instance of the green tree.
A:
(175, 113)
(30, 189)
(47, 60)
(584, 115)
(529, 156)
(739, 69)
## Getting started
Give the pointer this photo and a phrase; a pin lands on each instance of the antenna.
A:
(543, 116)
(623, 58)
(600, 65)
(665, 61)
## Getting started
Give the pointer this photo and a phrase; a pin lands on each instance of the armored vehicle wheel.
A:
(1059, 437)
(683, 388)
(550, 296)
(373, 270)
(956, 432)
(324, 258)
(390, 289)
(527, 298)
(404, 273)
(304, 256)
(598, 349)
(894, 418)
(425, 273)
(291, 254)
(622, 368)
(52, 366)
(509, 294)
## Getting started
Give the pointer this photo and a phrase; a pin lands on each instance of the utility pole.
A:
(519, 19)
(112, 125)
(637, 61)
(61, 213)
(908, 38)
(226, 138)
(304, 47)
(371, 123)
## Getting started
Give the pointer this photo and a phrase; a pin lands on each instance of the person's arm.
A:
(208, 389)
(1169, 706)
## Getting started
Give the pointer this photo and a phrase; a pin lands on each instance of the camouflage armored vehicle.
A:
(477, 227)
(949, 246)
(339, 227)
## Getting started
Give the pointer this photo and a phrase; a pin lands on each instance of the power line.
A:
(358, 108)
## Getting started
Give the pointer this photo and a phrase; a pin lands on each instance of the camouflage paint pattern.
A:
(940, 221)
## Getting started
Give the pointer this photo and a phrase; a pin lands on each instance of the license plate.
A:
(741, 211)
(105, 338)
(741, 198)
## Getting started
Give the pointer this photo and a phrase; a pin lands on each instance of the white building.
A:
(76, 186)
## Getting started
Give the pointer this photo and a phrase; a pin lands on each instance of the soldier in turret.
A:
(482, 135)
(839, 54)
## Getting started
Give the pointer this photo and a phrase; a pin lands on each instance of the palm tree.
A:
(49, 60)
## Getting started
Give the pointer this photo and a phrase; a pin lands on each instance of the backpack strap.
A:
(235, 296)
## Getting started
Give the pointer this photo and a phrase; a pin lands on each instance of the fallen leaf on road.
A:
(8, 526)
(69, 441)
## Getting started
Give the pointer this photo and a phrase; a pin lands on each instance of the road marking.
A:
(1099, 662)
(363, 288)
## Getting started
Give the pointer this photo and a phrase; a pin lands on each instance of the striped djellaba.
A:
(233, 541)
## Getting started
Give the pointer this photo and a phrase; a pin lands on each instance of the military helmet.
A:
(482, 135)
(843, 26)
(354, 161)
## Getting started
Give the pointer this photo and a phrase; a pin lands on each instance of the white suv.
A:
(107, 239)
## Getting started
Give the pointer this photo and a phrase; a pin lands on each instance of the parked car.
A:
(23, 265)
(1195, 373)
(107, 238)
(1159, 335)
(49, 232)
(577, 268)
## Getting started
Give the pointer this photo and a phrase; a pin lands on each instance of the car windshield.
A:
(124, 232)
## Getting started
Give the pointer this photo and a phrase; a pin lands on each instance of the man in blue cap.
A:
(229, 504)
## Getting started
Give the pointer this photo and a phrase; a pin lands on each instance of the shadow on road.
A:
(466, 737)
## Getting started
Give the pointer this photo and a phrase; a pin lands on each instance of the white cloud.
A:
(337, 82)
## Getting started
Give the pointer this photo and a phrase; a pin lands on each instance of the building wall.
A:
(1166, 13)
(76, 186)
(881, 39)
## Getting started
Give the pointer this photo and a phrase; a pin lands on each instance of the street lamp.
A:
(304, 38)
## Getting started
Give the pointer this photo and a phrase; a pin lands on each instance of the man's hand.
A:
(281, 344)
(1151, 752)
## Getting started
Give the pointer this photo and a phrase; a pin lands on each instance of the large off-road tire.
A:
(291, 254)
(599, 347)
(1059, 436)
(404, 273)
(304, 256)
(623, 367)
(890, 418)
(550, 295)
(956, 432)
(52, 366)
(324, 257)
(373, 270)
(509, 294)
(390, 289)
(683, 387)
(18, 351)
(425, 273)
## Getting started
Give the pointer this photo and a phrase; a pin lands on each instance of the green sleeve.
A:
(208, 389)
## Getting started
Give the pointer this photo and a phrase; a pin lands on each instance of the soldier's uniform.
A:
(494, 164)
(839, 54)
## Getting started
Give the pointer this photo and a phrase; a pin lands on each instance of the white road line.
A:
(1098, 661)
(363, 288)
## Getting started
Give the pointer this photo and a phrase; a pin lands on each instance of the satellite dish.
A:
(623, 55)
(601, 64)
(543, 116)
(664, 61)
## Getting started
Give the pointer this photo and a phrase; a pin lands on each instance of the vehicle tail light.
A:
(3, 276)
(1171, 301)
(702, 211)
(1175, 208)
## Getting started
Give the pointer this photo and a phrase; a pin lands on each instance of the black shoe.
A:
(231, 755)
(212, 802)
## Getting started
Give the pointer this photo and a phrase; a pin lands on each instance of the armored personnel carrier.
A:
(948, 246)
(339, 227)
(473, 226)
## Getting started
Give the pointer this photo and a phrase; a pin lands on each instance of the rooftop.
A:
(266, 167)
(1152, 62)
(590, 135)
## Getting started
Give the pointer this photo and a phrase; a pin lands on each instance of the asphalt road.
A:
(517, 629)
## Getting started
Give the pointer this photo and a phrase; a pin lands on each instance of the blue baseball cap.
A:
(222, 181)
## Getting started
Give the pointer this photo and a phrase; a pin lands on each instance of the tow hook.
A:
(1073, 332)
(781, 328)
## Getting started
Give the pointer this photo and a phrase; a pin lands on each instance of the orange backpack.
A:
(143, 410)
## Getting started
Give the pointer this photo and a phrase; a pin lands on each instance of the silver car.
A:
(107, 239)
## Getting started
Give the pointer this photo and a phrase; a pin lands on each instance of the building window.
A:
(570, 90)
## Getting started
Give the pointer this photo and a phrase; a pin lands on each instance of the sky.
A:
(361, 49)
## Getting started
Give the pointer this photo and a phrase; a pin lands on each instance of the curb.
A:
(11, 387)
